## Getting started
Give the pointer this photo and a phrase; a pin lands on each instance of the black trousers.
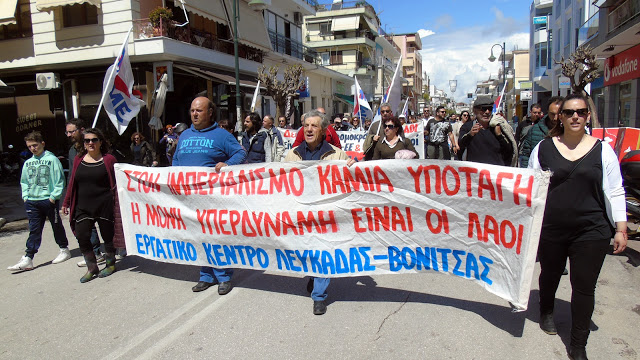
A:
(585, 260)
(83, 234)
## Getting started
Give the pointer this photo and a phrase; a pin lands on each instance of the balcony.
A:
(623, 13)
(285, 45)
(143, 29)
(589, 29)
(344, 5)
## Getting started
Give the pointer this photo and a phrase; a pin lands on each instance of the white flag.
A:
(394, 93)
(255, 97)
(119, 102)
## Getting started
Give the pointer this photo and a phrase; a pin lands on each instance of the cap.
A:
(402, 116)
(483, 100)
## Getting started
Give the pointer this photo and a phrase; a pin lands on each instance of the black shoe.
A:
(578, 353)
(547, 324)
(201, 286)
(310, 285)
(565, 272)
(319, 307)
(224, 287)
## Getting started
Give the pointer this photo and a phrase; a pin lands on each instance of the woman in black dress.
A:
(90, 199)
(585, 209)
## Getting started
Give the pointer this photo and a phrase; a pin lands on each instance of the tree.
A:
(582, 69)
(282, 92)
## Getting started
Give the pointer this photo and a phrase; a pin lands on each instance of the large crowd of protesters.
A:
(585, 204)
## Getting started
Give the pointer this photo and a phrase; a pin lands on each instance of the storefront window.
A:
(624, 104)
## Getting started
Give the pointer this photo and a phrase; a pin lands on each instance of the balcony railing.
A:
(623, 13)
(285, 45)
(589, 29)
(344, 5)
(143, 29)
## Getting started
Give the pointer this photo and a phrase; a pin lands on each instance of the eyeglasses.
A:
(385, 111)
(389, 126)
(442, 111)
(91, 140)
(484, 108)
(569, 112)
(465, 115)
(70, 132)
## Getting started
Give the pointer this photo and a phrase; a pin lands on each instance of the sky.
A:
(457, 35)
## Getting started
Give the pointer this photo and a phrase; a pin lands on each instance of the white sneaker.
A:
(64, 255)
(26, 263)
(99, 259)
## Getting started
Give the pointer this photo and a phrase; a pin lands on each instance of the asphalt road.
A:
(146, 310)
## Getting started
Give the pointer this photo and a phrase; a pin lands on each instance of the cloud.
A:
(424, 33)
(462, 54)
(444, 21)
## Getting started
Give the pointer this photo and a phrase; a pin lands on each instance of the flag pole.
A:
(104, 92)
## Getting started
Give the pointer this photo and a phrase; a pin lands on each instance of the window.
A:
(336, 58)
(325, 59)
(325, 28)
(79, 15)
(22, 27)
(567, 34)
(541, 55)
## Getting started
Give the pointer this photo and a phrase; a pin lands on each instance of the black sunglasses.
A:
(569, 112)
(389, 126)
(91, 140)
(484, 108)
(385, 111)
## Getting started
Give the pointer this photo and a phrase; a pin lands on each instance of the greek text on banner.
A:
(475, 221)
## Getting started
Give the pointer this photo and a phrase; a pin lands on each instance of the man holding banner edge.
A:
(223, 150)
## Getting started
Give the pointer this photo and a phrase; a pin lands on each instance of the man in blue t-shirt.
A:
(206, 144)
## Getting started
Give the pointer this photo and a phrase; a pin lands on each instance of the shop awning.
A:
(217, 76)
(347, 99)
(252, 30)
(210, 9)
(8, 12)
(46, 5)
(345, 23)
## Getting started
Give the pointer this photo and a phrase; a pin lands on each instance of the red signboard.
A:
(622, 140)
(622, 67)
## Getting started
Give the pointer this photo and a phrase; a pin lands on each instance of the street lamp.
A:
(504, 74)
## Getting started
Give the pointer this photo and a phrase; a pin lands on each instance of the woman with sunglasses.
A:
(585, 209)
(393, 141)
(90, 199)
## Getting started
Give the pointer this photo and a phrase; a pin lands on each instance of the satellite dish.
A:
(41, 81)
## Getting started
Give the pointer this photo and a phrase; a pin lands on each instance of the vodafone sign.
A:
(622, 67)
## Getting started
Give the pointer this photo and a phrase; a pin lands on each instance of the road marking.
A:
(159, 345)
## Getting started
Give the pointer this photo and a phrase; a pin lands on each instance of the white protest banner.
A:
(475, 221)
(352, 141)
(288, 138)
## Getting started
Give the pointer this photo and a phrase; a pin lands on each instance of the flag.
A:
(496, 104)
(117, 91)
(405, 109)
(255, 97)
(361, 106)
(394, 92)
(303, 90)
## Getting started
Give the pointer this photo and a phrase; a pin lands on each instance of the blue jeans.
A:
(37, 213)
(95, 242)
(523, 164)
(212, 275)
(320, 286)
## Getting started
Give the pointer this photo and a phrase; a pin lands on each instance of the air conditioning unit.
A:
(47, 81)
(297, 17)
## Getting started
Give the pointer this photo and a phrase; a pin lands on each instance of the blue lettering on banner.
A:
(228, 255)
(408, 258)
(161, 248)
(323, 262)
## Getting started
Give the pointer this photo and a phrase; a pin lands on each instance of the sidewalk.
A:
(11, 204)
